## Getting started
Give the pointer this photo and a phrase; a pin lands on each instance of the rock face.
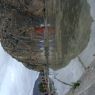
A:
(72, 25)
(68, 32)
(31, 7)
(17, 31)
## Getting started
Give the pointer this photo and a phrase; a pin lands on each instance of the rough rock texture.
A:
(31, 7)
(20, 18)
(72, 24)
(17, 31)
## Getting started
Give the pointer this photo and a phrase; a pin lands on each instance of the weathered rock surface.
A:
(71, 20)
(31, 7)
(72, 23)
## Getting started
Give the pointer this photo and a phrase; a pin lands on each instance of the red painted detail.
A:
(42, 29)
(39, 29)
